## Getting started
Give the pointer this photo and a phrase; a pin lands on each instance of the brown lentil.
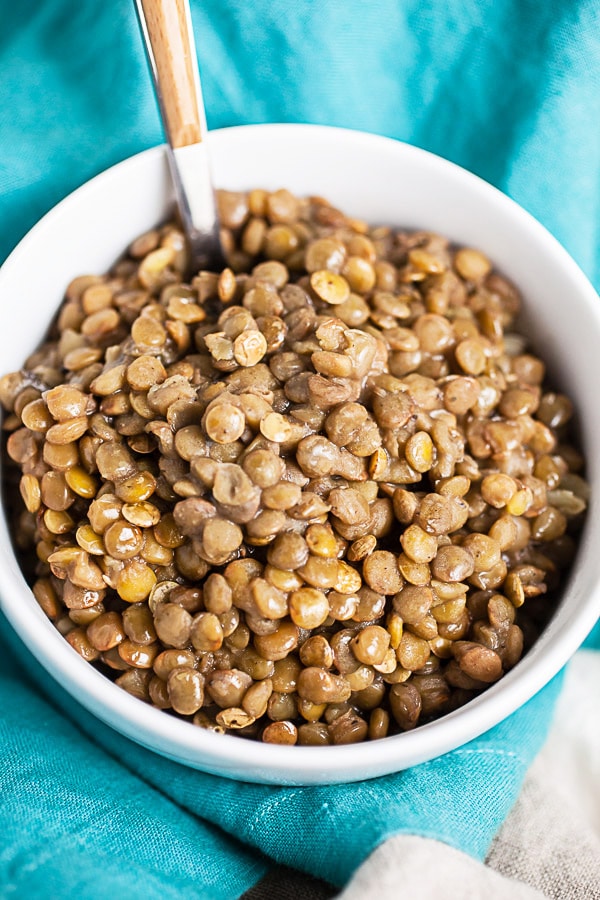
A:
(281, 732)
(185, 689)
(348, 728)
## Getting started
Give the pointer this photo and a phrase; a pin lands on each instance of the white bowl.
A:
(382, 181)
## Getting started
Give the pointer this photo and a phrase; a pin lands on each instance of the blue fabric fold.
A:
(508, 89)
(511, 91)
(76, 822)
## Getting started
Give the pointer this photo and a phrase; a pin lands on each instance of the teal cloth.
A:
(509, 89)
(85, 811)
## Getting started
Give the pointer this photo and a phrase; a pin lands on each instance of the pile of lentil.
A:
(319, 497)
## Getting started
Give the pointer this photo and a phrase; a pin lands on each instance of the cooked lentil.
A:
(316, 498)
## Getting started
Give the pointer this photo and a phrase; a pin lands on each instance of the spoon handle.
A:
(167, 29)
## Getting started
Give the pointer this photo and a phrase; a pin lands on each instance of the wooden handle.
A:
(167, 24)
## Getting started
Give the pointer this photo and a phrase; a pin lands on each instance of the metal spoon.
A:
(166, 27)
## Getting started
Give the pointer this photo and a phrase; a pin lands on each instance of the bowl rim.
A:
(279, 764)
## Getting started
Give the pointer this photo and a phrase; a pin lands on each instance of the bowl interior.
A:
(381, 181)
